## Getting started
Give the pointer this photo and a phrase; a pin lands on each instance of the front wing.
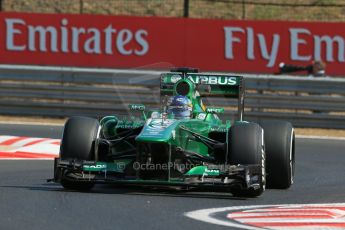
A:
(231, 177)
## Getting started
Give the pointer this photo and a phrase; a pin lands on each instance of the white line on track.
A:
(15, 148)
(208, 215)
(205, 216)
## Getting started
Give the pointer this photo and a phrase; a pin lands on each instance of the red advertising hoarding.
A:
(132, 42)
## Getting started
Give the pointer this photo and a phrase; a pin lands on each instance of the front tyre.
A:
(280, 153)
(78, 143)
(246, 146)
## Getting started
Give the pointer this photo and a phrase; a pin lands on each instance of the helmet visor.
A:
(179, 111)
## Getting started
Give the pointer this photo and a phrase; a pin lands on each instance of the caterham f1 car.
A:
(182, 144)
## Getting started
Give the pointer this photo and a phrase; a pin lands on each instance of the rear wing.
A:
(210, 85)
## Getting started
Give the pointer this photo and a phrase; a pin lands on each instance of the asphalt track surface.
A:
(28, 202)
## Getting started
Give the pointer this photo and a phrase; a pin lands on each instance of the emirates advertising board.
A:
(135, 42)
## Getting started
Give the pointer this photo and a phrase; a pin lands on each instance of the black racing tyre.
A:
(78, 138)
(246, 146)
(78, 143)
(280, 153)
(76, 185)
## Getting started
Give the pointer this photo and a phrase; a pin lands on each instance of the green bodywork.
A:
(181, 145)
(157, 127)
(166, 131)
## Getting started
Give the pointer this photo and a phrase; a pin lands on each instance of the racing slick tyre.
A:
(78, 143)
(246, 146)
(280, 153)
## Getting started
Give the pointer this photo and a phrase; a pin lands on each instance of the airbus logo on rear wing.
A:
(203, 79)
(213, 80)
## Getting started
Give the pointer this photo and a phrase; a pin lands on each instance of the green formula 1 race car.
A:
(183, 144)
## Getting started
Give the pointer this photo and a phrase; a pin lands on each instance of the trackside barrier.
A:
(61, 92)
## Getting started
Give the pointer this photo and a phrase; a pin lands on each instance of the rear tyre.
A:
(280, 153)
(246, 146)
(78, 143)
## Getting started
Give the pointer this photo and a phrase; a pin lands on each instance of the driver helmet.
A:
(180, 106)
